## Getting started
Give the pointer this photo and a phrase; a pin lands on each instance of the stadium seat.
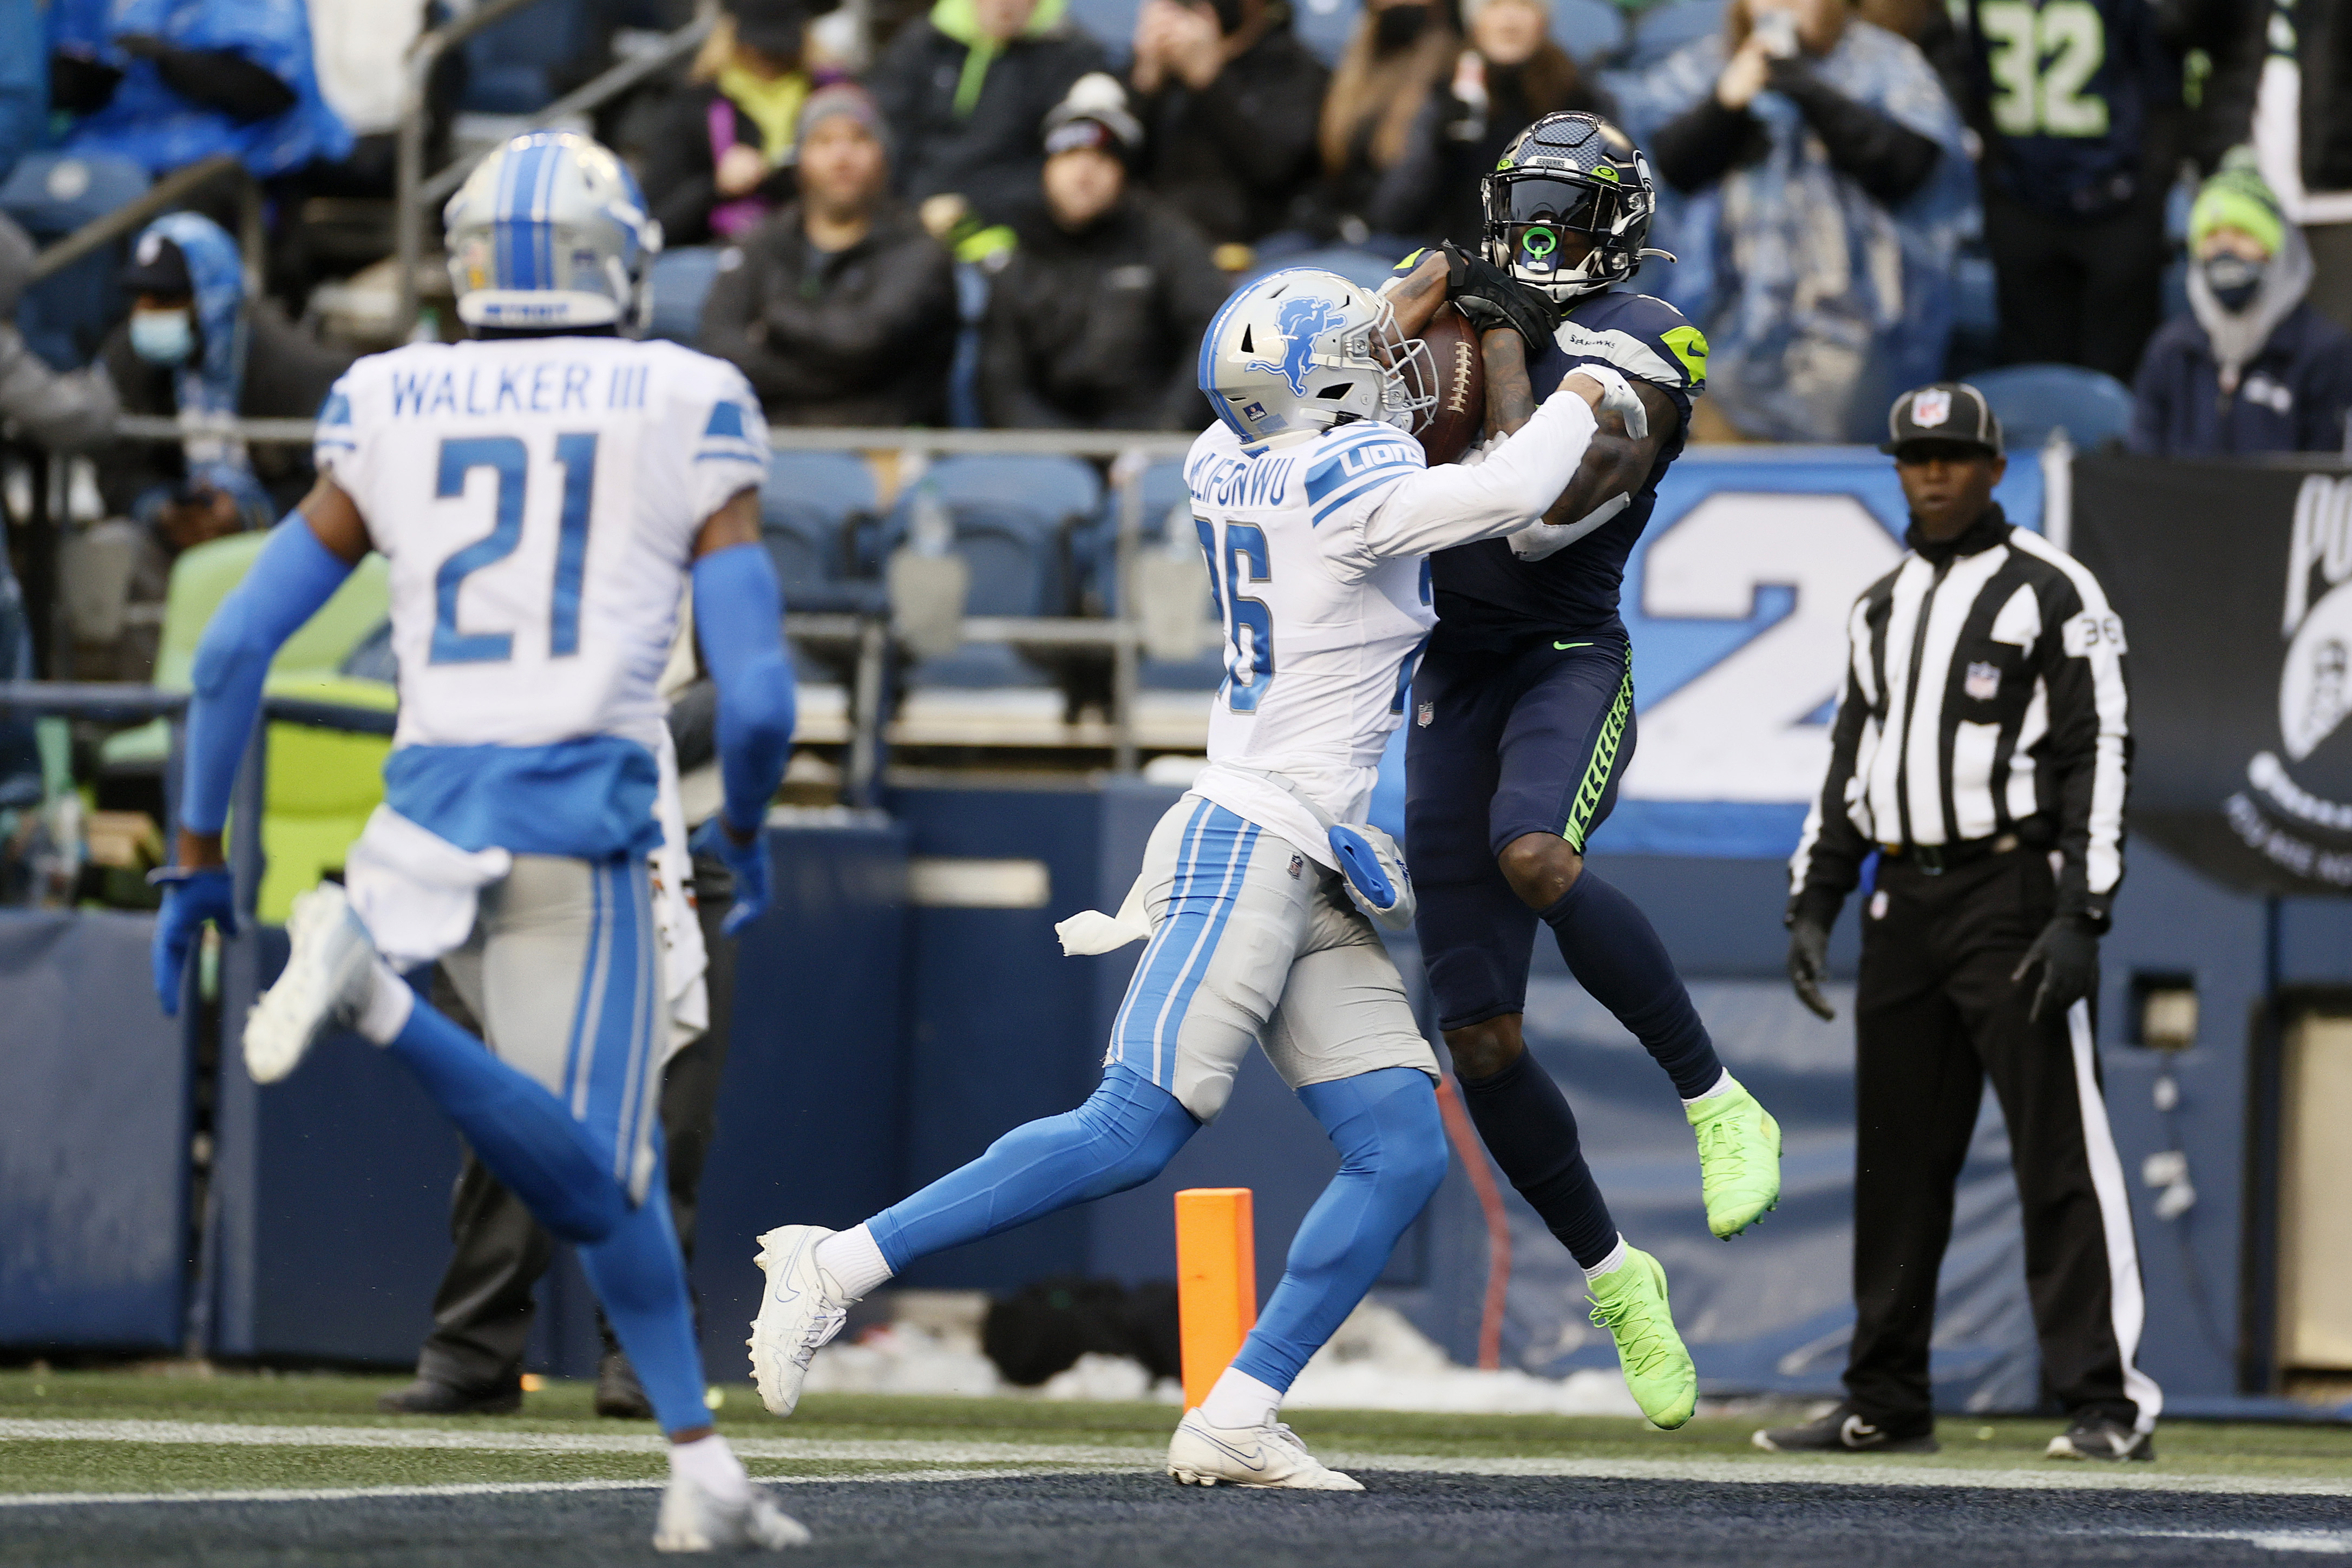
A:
(511, 66)
(1593, 31)
(50, 195)
(680, 281)
(1014, 518)
(2033, 401)
(1670, 28)
(322, 783)
(808, 508)
(1111, 23)
(1167, 505)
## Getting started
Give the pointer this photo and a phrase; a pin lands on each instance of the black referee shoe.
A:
(2096, 1436)
(431, 1397)
(1843, 1431)
(618, 1392)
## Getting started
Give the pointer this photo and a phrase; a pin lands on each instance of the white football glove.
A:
(1540, 538)
(1618, 395)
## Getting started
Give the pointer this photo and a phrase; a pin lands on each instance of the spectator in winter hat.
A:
(2253, 367)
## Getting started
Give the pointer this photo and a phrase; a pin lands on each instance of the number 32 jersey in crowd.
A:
(537, 500)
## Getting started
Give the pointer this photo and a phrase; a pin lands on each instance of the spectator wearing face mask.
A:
(1509, 77)
(2253, 367)
(1228, 99)
(196, 350)
(723, 161)
(1830, 178)
(1399, 52)
(1095, 320)
(964, 93)
(842, 311)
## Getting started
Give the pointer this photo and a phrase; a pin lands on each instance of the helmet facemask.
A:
(1408, 371)
(1534, 216)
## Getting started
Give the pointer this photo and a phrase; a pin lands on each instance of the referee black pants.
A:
(1936, 1014)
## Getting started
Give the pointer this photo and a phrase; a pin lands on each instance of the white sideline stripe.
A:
(469, 1489)
(1072, 1460)
(227, 1434)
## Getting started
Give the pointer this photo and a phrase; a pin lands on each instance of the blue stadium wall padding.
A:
(93, 1139)
(335, 1185)
(812, 1112)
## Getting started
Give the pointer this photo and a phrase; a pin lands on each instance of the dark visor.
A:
(1541, 197)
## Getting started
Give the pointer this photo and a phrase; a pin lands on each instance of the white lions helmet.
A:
(550, 231)
(1301, 349)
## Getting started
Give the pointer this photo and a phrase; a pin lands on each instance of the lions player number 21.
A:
(509, 460)
(1249, 664)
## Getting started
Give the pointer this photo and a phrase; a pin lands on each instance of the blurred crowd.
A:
(1023, 213)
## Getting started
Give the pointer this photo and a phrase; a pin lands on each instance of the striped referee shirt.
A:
(1985, 695)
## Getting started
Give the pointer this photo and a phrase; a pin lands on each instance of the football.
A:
(1460, 413)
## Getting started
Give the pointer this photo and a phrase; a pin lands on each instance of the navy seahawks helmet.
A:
(1570, 174)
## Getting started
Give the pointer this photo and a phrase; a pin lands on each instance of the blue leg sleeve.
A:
(524, 1135)
(640, 1279)
(1124, 1134)
(1393, 1156)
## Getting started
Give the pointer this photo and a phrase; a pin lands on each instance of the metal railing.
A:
(866, 637)
(418, 193)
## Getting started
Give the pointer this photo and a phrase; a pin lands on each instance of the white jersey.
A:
(537, 500)
(1318, 560)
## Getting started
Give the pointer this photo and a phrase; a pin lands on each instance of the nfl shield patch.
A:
(1982, 681)
(1423, 714)
(1298, 865)
(1931, 408)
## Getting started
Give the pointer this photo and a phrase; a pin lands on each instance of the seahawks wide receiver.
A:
(1523, 708)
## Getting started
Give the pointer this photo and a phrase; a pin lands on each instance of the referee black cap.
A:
(1942, 411)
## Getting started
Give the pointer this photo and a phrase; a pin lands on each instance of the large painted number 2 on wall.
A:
(1249, 666)
(507, 457)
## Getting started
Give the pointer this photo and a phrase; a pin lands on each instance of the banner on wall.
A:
(1736, 598)
(2234, 584)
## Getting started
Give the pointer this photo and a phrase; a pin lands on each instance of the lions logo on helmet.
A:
(550, 231)
(1301, 349)
(1568, 207)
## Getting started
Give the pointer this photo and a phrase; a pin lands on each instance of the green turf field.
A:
(79, 1432)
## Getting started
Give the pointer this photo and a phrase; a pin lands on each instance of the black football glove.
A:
(1489, 297)
(2068, 952)
(1809, 964)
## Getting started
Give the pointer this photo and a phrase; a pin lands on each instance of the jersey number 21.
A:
(507, 457)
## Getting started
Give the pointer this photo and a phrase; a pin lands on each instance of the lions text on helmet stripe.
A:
(550, 231)
(1300, 350)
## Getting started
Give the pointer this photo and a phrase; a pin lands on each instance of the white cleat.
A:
(693, 1519)
(329, 973)
(1201, 1455)
(799, 1311)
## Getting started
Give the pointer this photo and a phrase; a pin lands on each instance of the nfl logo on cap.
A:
(1931, 408)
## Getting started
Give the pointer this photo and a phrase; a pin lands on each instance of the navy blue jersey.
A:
(1486, 594)
(2066, 87)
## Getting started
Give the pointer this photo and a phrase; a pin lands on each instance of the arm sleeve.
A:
(1406, 509)
(2088, 751)
(738, 616)
(1887, 158)
(1696, 147)
(292, 577)
(1830, 851)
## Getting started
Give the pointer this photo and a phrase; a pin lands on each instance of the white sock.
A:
(713, 1465)
(1609, 1265)
(1238, 1399)
(1723, 1085)
(389, 1003)
(854, 1258)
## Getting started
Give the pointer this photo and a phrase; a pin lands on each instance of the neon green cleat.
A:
(1629, 1301)
(1738, 1159)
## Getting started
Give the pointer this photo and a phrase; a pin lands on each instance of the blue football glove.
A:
(747, 863)
(191, 897)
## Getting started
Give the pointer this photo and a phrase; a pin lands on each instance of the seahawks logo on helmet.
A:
(1568, 207)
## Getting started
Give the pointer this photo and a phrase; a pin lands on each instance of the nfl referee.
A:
(1981, 747)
